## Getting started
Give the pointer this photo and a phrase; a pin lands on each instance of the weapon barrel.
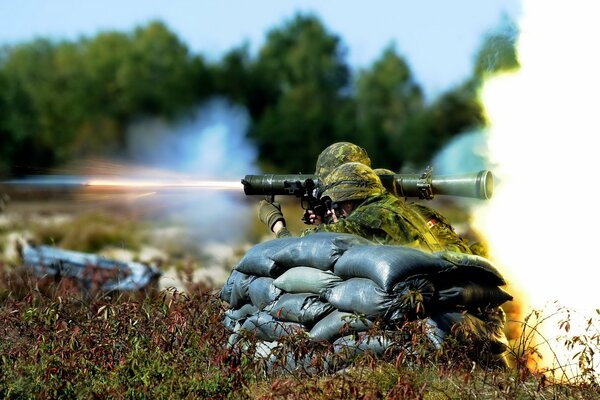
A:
(479, 185)
(271, 184)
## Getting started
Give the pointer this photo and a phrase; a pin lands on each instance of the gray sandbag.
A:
(473, 267)
(471, 295)
(357, 344)
(225, 292)
(347, 348)
(360, 296)
(387, 265)
(338, 324)
(318, 250)
(237, 285)
(363, 296)
(306, 280)
(262, 292)
(257, 260)
(305, 308)
(275, 360)
(265, 327)
(230, 323)
(242, 312)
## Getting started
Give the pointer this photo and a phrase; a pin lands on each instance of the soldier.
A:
(438, 224)
(334, 155)
(343, 152)
(366, 209)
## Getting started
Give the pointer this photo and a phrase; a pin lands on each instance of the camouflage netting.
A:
(334, 287)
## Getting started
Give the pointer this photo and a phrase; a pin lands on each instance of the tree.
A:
(426, 132)
(61, 99)
(239, 78)
(386, 96)
(312, 81)
(497, 52)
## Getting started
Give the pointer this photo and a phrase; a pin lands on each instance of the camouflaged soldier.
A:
(333, 156)
(366, 209)
(440, 233)
(438, 224)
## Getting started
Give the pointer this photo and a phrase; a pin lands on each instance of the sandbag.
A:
(257, 260)
(265, 327)
(231, 324)
(239, 289)
(472, 267)
(387, 265)
(275, 361)
(225, 292)
(356, 344)
(471, 295)
(242, 312)
(360, 296)
(337, 324)
(306, 280)
(262, 292)
(305, 308)
(318, 250)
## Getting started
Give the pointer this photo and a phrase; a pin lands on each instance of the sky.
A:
(438, 38)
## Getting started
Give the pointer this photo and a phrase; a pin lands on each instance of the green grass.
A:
(60, 343)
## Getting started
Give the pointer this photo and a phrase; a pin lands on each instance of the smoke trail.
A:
(542, 223)
(211, 144)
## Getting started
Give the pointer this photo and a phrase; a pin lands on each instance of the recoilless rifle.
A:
(308, 188)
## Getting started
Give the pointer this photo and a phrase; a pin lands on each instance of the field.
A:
(60, 341)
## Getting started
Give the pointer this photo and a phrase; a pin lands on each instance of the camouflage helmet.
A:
(383, 171)
(352, 181)
(337, 154)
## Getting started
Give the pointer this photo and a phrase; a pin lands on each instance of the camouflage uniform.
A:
(384, 219)
(438, 225)
(380, 216)
(441, 229)
(390, 210)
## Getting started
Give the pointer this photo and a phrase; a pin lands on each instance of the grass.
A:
(61, 343)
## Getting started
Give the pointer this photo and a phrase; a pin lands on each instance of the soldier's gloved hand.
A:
(270, 213)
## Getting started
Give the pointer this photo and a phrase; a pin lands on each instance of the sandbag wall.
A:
(324, 282)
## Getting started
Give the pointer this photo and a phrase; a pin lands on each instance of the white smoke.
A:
(209, 144)
(465, 153)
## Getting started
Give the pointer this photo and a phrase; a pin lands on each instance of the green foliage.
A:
(497, 52)
(65, 99)
(306, 62)
(61, 100)
(427, 131)
(386, 96)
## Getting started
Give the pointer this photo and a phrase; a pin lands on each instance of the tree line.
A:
(67, 99)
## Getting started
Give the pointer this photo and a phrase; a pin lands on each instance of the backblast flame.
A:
(542, 223)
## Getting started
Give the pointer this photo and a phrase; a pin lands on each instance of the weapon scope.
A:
(479, 185)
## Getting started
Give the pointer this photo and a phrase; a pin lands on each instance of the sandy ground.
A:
(204, 261)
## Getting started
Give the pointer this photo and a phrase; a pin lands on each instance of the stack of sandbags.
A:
(330, 285)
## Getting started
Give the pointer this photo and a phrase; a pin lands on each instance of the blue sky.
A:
(439, 38)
